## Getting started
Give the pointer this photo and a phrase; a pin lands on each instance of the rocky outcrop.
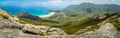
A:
(42, 29)
(8, 15)
(35, 29)
(118, 20)
(5, 23)
(106, 31)
(15, 33)
(102, 16)
(9, 28)
(56, 31)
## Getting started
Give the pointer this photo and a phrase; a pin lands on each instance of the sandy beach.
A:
(50, 14)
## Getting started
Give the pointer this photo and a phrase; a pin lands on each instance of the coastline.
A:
(50, 14)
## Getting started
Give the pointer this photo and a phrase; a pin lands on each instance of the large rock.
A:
(42, 29)
(106, 31)
(15, 33)
(118, 20)
(6, 23)
(56, 31)
(101, 16)
(35, 29)
(10, 17)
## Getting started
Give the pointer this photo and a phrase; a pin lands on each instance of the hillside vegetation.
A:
(76, 17)
(72, 26)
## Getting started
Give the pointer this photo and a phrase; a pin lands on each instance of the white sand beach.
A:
(50, 14)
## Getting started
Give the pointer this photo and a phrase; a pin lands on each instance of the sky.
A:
(54, 3)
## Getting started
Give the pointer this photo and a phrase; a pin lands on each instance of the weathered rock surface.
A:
(106, 31)
(15, 33)
(10, 17)
(45, 30)
(5, 23)
(9, 29)
(35, 29)
(100, 16)
(118, 20)
(56, 31)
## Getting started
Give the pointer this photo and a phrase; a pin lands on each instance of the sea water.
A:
(36, 11)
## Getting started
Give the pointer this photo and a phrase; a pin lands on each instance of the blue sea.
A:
(36, 11)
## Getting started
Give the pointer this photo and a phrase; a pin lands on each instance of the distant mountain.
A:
(91, 8)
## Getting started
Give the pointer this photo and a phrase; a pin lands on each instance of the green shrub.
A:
(6, 17)
(41, 33)
(115, 23)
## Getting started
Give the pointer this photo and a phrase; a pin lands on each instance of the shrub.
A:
(6, 17)
(41, 33)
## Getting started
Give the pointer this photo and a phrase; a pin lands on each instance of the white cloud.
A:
(57, 3)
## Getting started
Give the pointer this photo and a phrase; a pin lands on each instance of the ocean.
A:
(36, 11)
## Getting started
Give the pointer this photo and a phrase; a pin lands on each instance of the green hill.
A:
(90, 8)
